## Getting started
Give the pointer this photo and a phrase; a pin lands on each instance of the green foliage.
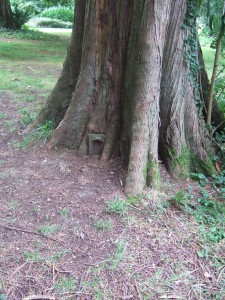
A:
(180, 200)
(220, 93)
(211, 13)
(37, 6)
(40, 134)
(208, 212)
(56, 257)
(27, 116)
(103, 225)
(134, 200)
(200, 177)
(10, 124)
(182, 161)
(48, 229)
(3, 116)
(119, 254)
(33, 256)
(118, 206)
(191, 49)
(219, 183)
(49, 23)
(21, 14)
(64, 213)
(59, 12)
(66, 285)
(50, 3)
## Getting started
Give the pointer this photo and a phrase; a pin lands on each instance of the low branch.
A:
(33, 232)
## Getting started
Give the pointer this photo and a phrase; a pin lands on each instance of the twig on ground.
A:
(137, 289)
(39, 297)
(18, 269)
(35, 233)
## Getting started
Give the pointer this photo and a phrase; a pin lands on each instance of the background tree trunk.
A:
(125, 76)
(6, 16)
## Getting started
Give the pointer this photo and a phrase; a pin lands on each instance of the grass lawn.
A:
(57, 31)
(29, 68)
(209, 55)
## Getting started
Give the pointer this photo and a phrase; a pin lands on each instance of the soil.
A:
(50, 245)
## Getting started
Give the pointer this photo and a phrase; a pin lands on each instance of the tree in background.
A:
(12, 16)
(6, 15)
(132, 73)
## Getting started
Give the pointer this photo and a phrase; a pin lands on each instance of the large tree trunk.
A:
(125, 76)
(6, 16)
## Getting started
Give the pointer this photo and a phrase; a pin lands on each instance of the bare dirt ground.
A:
(58, 240)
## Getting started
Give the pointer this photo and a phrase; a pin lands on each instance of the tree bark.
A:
(6, 16)
(125, 76)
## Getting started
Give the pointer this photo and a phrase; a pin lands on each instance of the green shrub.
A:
(20, 16)
(49, 23)
(33, 7)
(58, 12)
(220, 93)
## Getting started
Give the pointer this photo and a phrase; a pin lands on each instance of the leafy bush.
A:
(49, 23)
(220, 93)
(20, 16)
(33, 7)
(49, 3)
(58, 12)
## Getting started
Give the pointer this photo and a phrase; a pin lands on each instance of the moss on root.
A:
(200, 166)
(188, 161)
(181, 163)
(153, 174)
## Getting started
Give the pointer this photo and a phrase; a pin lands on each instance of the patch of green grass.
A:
(3, 116)
(57, 256)
(48, 229)
(134, 200)
(10, 124)
(27, 116)
(33, 256)
(209, 54)
(26, 34)
(180, 199)
(103, 225)
(23, 85)
(118, 255)
(66, 285)
(26, 51)
(209, 214)
(64, 213)
(118, 206)
(40, 134)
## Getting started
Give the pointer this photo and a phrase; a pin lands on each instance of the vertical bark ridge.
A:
(71, 129)
(6, 15)
(148, 46)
